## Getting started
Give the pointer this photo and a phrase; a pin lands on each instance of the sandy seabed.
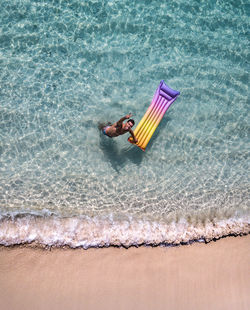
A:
(197, 276)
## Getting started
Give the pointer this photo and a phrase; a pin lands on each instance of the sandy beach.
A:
(197, 276)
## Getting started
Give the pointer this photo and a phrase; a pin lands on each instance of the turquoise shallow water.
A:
(67, 65)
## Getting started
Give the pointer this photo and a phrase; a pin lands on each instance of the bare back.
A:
(116, 130)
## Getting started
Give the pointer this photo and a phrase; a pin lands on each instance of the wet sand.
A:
(197, 276)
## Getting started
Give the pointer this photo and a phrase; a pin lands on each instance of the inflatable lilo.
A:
(162, 100)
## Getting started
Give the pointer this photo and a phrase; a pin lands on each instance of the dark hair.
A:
(131, 120)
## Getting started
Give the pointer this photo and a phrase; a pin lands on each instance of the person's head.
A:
(129, 124)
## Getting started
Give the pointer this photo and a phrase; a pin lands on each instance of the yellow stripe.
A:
(151, 125)
(145, 119)
(153, 128)
(150, 118)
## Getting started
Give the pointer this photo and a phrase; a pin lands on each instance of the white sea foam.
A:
(93, 232)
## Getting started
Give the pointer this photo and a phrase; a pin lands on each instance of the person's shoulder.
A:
(118, 125)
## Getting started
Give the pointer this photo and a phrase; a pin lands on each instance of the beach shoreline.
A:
(196, 276)
(54, 231)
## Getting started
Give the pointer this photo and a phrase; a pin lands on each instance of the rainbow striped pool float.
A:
(162, 100)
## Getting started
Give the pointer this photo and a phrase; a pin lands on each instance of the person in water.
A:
(119, 128)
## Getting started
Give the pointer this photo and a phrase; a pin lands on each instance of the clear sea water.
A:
(65, 66)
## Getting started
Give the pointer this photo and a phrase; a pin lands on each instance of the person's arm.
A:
(119, 123)
(133, 136)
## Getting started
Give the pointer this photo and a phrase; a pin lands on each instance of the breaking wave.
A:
(103, 232)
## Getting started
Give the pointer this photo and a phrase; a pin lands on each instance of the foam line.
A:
(89, 232)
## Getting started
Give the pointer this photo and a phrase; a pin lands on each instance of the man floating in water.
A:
(119, 128)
